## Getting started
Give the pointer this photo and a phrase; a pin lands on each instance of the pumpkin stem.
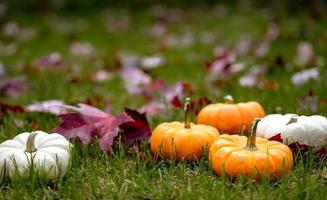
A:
(187, 109)
(228, 99)
(293, 119)
(30, 147)
(250, 145)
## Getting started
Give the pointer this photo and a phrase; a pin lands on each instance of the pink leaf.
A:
(305, 53)
(152, 62)
(50, 61)
(83, 49)
(75, 125)
(2, 70)
(248, 80)
(135, 80)
(55, 107)
(89, 121)
(272, 31)
(101, 76)
(304, 76)
(108, 130)
(154, 108)
(12, 87)
(308, 102)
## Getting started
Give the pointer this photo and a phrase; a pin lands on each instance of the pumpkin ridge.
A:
(44, 138)
(6, 144)
(216, 154)
(177, 144)
(266, 159)
(52, 143)
(240, 166)
(168, 141)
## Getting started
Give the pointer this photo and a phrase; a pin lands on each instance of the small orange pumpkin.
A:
(236, 155)
(230, 118)
(182, 141)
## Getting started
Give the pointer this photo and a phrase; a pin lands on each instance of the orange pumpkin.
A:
(236, 155)
(230, 118)
(182, 141)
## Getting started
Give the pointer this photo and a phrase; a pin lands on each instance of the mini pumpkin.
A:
(48, 154)
(230, 118)
(182, 141)
(296, 131)
(252, 157)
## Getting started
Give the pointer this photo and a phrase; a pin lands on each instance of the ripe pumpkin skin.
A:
(230, 118)
(174, 141)
(230, 154)
(182, 141)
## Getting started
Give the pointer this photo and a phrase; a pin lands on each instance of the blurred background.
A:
(159, 52)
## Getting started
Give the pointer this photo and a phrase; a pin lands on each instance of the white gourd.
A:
(305, 130)
(49, 153)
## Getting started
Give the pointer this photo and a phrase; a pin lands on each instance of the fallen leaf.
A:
(304, 76)
(135, 130)
(250, 79)
(269, 85)
(83, 49)
(176, 102)
(51, 61)
(305, 54)
(272, 31)
(134, 80)
(12, 87)
(2, 70)
(308, 102)
(101, 76)
(200, 103)
(152, 62)
(56, 107)
(262, 49)
(5, 107)
(154, 109)
(173, 93)
(88, 122)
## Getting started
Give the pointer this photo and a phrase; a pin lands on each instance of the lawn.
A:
(263, 38)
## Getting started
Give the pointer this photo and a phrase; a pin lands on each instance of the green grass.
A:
(130, 174)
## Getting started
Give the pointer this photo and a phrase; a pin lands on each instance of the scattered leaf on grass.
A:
(88, 122)
(308, 102)
(135, 130)
(304, 76)
(12, 87)
(154, 109)
(56, 107)
(5, 107)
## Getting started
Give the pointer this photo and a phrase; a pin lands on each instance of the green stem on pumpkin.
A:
(250, 145)
(187, 109)
(30, 147)
(228, 99)
(293, 119)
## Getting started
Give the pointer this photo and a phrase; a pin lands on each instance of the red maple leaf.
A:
(4, 107)
(135, 130)
(88, 122)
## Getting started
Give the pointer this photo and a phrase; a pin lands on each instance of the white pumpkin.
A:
(304, 130)
(49, 154)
